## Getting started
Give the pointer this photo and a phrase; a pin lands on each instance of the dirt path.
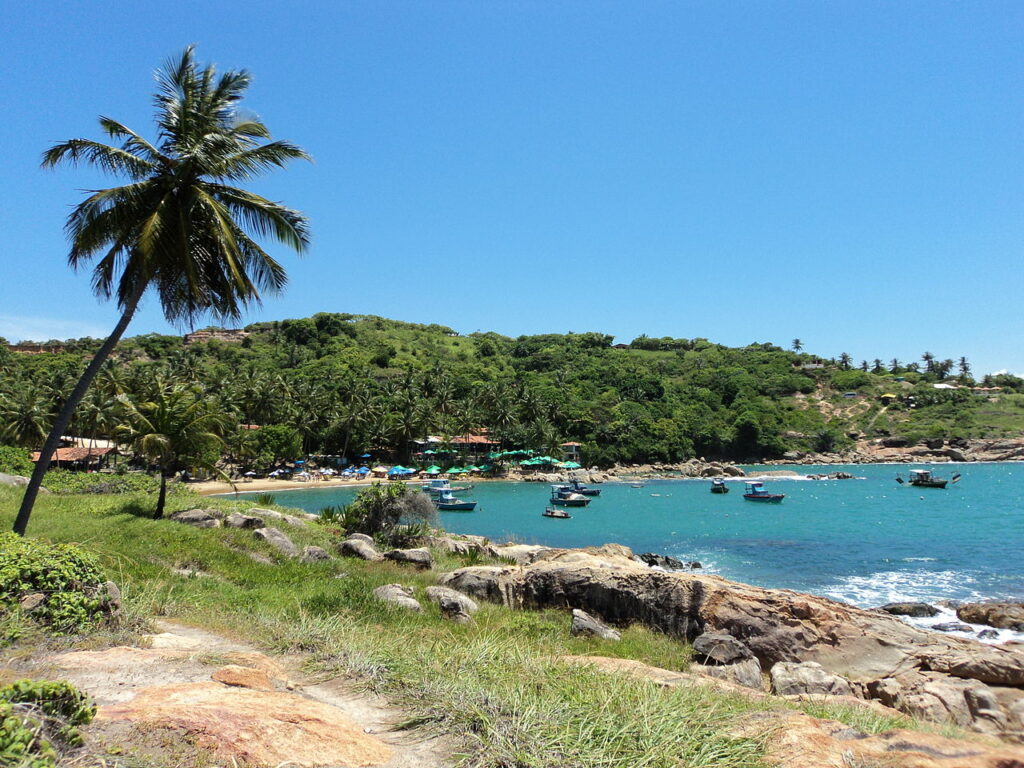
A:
(239, 704)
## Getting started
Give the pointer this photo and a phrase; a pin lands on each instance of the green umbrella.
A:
(457, 471)
(570, 465)
(486, 467)
(429, 453)
(433, 469)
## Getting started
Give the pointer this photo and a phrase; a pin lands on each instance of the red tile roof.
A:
(76, 454)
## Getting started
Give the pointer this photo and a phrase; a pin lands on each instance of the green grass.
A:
(495, 682)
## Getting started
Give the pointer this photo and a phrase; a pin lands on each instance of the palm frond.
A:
(103, 156)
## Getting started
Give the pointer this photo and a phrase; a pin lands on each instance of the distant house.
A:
(941, 385)
(230, 335)
(887, 399)
(572, 452)
(78, 457)
(620, 346)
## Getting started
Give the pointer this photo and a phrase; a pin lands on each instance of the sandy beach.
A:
(214, 487)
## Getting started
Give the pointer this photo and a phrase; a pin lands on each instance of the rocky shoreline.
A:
(770, 640)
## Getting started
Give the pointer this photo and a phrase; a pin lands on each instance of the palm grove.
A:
(342, 384)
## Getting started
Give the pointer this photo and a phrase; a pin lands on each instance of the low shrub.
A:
(57, 586)
(64, 481)
(39, 720)
(15, 461)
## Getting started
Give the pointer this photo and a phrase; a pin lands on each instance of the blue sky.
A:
(847, 173)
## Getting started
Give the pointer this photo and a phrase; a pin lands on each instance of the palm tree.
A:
(177, 226)
(24, 415)
(929, 361)
(965, 368)
(797, 345)
(844, 361)
(176, 430)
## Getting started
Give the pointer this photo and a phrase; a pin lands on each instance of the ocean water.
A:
(865, 541)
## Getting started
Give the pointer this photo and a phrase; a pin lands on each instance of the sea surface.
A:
(866, 541)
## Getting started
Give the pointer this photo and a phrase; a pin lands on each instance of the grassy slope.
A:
(493, 681)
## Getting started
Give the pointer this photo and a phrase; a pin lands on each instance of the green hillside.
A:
(339, 383)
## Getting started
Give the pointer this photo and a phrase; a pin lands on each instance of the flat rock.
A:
(361, 537)
(238, 520)
(243, 677)
(436, 594)
(585, 625)
(200, 518)
(720, 648)
(952, 626)
(919, 610)
(398, 595)
(420, 557)
(278, 540)
(808, 677)
(353, 547)
(261, 728)
(523, 554)
(314, 554)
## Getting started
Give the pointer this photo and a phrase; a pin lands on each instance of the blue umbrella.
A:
(364, 456)
(363, 470)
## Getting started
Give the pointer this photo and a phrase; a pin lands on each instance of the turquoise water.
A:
(865, 541)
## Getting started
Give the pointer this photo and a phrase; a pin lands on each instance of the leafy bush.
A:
(382, 508)
(265, 499)
(39, 719)
(73, 590)
(15, 461)
(65, 481)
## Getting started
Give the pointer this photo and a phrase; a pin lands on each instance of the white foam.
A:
(923, 586)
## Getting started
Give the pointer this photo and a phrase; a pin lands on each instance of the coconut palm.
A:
(177, 226)
(176, 430)
(24, 415)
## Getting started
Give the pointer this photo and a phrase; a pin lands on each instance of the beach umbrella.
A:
(250, 474)
(429, 452)
(363, 470)
(364, 456)
(486, 467)
(433, 469)
(457, 471)
(570, 465)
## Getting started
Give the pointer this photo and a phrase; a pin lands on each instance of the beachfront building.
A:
(473, 447)
(572, 452)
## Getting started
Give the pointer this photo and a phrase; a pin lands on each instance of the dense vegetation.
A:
(344, 384)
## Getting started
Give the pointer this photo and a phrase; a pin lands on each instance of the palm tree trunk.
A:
(163, 496)
(64, 417)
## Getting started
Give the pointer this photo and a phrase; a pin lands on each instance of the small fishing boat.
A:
(923, 478)
(449, 503)
(562, 498)
(439, 487)
(637, 485)
(561, 514)
(577, 487)
(756, 492)
(719, 486)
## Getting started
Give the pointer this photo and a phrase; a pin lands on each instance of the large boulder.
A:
(524, 554)
(398, 595)
(361, 537)
(805, 678)
(667, 562)
(421, 558)
(353, 547)
(918, 610)
(278, 540)
(1001, 615)
(437, 594)
(585, 625)
(746, 673)
(453, 611)
(776, 625)
(200, 518)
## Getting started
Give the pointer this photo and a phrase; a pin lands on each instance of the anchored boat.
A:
(561, 514)
(756, 492)
(561, 497)
(923, 478)
(719, 486)
(449, 503)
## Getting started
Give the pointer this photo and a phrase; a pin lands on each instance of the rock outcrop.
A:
(865, 647)
(255, 727)
(270, 514)
(314, 554)
(807, 678)
(238, 520)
